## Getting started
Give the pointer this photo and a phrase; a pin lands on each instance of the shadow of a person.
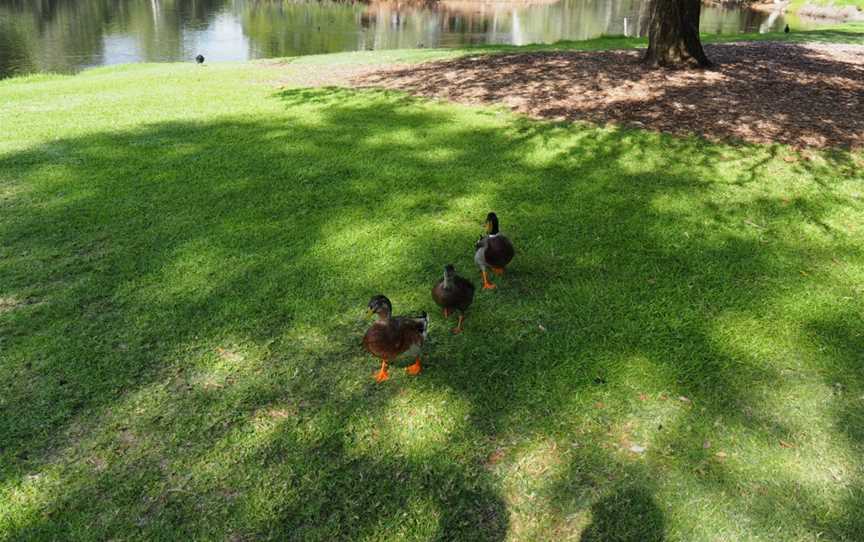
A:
(625, 515)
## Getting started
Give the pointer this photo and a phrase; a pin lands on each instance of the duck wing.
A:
(463, 293)
(441, 295)
(412, 329)
(396, 336)
(499, 251)
(383, 340)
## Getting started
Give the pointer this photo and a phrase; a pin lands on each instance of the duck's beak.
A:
(487, 226)
(369, 312)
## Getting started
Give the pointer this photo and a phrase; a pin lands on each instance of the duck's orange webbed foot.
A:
(415, 369)
(446, 312)
(458, 329)
(486, 284)
(498, 271)
(382, 375)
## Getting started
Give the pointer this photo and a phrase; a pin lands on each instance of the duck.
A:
(453, 293)
(199, 59)
(392, 336)
(493, 251)
(786, 30)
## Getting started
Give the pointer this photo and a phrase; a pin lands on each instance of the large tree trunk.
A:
(673, 35)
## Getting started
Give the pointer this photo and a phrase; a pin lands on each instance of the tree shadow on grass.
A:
(192, 329)
(841, 349)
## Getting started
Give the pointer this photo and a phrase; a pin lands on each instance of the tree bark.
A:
(673, 35)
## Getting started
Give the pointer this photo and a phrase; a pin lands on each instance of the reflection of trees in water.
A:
(289, 28)
(14, 49)
(67, 35)
(159, 25)
(722, 19)
(50, 35)
(277, 28)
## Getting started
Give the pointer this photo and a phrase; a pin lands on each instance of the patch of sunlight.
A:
(416, 423)
(122, 437)
(386, 242)
(417, 519)
(10, 303)
(467, 206)
(56, 192)
(642, 435)
(281, 425)
(462, 213)
(704, 510)
(36, 103)
(217, 376)
(440, 156)
(311, 339)
(337, 250)
(396, 137)
(791, 442)
(35, 494)
(244, 441)
(812, 450)
(544, 145)
(29, 494)
(526, 480)
(734, 492)
(13, 189)
(756, 342)
(188, 276)
(679, 204)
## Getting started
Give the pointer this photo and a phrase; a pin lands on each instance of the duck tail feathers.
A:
(423, 320)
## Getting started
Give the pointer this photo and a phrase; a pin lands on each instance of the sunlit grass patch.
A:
(414, 423)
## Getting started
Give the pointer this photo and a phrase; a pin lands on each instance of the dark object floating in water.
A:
(786, 30)
(199, 59)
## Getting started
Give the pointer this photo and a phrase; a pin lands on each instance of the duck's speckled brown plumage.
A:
(453, 293)
(457, 296)
(391, 337)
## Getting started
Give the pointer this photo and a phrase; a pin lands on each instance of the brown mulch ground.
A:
(805, 95)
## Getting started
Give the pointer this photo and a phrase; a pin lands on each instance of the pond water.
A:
(68, 35)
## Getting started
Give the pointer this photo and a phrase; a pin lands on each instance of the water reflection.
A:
(68, 35)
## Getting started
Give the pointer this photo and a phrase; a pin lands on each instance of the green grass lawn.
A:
(796, 5)
(185, 258)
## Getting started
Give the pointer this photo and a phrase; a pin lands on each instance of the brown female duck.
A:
(391, 336)
(453, 293)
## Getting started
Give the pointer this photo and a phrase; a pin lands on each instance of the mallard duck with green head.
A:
(392, 336)
(453, 293)
(493, 251)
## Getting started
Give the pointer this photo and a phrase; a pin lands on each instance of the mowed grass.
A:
(796, 5)
(185, 258)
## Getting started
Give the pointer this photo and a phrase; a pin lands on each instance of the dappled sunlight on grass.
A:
(187, 302)
(415, 423)
(529, 471)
